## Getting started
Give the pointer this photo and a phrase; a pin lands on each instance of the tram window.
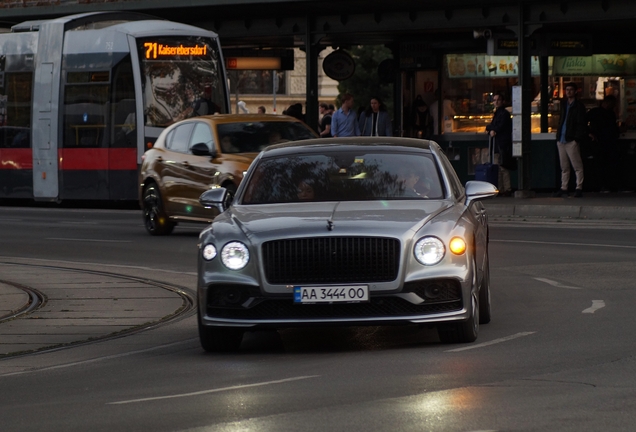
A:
(181, 138)
(15, 110)
(85, 115)
(202, 134)
(175, 72)
(123, 107)
(87, 77)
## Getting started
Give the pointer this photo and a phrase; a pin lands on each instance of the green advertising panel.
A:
(596, 65)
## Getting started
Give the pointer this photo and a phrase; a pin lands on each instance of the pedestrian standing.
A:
(375, 121)
(344, 122)
(500, 130)
(572, 131)
(423, 119)
(324, 128)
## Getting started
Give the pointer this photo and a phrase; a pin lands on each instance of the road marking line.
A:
(98, 359)
(492, 342)
(237, 387)
(556, 284)
(565, 243)
(596, 305)
(88, 240)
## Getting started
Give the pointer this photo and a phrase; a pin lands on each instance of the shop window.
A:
(470, 81)
(257, 82)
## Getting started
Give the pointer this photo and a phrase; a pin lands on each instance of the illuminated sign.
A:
(156, 50)
(570, 44)
(253, 63)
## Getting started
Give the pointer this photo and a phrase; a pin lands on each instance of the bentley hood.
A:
(372, 218)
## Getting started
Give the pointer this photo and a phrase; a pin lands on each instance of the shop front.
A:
(464, 85)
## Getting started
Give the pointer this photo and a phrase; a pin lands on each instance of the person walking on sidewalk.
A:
(571, 132)
(500, 130)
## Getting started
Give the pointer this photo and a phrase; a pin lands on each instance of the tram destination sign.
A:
(156, 50)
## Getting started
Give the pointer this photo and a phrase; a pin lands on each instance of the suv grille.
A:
(331, 260)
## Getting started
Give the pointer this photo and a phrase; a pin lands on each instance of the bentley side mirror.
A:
(217, 198)
(478, 190)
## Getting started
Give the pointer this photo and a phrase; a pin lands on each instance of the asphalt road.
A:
(558, 354)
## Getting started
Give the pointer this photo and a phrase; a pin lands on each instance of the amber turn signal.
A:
(457, 246)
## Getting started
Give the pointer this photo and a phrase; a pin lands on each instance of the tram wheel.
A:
(155, 219)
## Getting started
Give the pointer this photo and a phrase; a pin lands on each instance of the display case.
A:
(478, 123)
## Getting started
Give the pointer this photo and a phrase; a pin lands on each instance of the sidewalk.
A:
(593, 205)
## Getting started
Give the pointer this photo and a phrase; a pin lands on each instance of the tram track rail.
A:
(38, 298)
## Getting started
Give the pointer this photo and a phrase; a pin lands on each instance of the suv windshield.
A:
(249, 137)
(343, 176)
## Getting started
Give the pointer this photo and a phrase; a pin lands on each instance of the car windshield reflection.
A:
(250, 137)
(341, 176)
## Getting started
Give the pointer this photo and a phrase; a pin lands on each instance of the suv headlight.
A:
(429, 250)
(235, 255)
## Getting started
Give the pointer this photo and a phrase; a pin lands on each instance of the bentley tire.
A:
(220, 339)
(484, 294)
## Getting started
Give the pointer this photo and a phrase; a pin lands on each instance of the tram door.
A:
(122, 156)
(99, 151)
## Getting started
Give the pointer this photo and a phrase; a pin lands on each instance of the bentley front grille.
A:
(331, 260)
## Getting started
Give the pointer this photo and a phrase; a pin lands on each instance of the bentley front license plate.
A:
(331, 294)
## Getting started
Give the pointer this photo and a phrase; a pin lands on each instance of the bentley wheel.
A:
(464, 331)
(155, 219)
(484, 294)
(220, 339)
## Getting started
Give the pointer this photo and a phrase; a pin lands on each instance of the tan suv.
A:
(200, 153)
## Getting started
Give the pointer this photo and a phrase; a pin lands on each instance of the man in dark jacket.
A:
(500, 130)
(571, 132)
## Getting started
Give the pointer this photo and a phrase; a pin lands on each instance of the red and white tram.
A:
(82, 97)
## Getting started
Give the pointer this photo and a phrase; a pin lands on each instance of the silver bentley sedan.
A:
(345, 231)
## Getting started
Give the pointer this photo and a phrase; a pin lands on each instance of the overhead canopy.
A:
(444, 25)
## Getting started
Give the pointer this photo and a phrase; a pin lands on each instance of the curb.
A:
(563, 211)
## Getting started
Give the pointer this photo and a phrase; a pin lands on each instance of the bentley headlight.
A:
(235, 255)
(429, 250)
(209, 252)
